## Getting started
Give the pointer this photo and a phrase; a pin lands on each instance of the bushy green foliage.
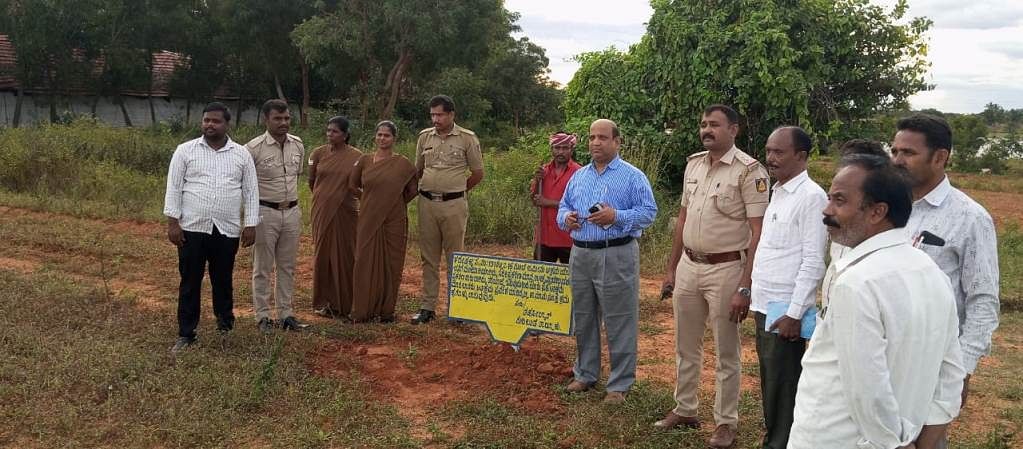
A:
(820, 65)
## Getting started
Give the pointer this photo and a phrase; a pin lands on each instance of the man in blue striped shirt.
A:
(606, 206)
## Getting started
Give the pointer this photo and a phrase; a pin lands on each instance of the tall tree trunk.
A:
(188, 112)
(152, 76)
(394, 81)
(95, 104)
(238, 112)
(280, 91)
(17, 107)
(124, 111)
(363, 100)
(304, 114)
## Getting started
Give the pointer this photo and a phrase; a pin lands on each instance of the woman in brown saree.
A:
(335, 214)
(388, 183)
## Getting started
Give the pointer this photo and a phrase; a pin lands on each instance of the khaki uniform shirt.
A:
(446, 160)
(720, 198)
(277, 168)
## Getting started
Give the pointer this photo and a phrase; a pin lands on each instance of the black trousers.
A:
(554, 254)
(218, 251)
(780, 368)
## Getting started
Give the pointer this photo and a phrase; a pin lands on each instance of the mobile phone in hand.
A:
(597, 207)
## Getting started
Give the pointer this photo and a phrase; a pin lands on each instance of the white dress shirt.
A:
(885, 358)
(789, 262)
(207, 188)
(969, 258)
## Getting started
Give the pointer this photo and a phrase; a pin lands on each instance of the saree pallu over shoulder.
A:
(382, 234)
(334, 223)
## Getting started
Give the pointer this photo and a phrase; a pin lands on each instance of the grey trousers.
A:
(605, 287)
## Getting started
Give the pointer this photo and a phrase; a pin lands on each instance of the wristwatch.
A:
(745, 292)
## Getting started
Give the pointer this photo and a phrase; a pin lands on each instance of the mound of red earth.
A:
(426, 375)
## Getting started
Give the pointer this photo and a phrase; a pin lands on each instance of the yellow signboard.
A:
(510, 296)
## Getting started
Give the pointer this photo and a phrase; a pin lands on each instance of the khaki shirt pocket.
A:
(453, 156)
(728, 201)
(295, 163)
(430, 157)
(269, 166)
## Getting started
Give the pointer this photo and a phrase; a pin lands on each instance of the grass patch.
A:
(85, 369)
(1010, 261)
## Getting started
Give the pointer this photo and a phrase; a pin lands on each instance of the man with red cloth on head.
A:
(553, 244)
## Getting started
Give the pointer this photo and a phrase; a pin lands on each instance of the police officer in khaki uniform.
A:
(278, 157)
(723, 203)
(450, 164)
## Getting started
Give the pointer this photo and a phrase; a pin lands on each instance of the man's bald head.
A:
(604, 141)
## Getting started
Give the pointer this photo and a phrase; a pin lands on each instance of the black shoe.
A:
(182, 343)
(223, 327)
(265, 325)
(291, 324)
(424, 316)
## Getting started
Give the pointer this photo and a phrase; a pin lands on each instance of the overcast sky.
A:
(976, 47)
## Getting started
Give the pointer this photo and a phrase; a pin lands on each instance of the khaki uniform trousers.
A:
(441, 232)
(703, 294)
(276, 246)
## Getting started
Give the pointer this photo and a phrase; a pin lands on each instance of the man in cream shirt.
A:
(884, 361)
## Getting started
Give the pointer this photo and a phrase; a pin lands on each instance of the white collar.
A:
(886, 239)
(791, 185)
(937, 195)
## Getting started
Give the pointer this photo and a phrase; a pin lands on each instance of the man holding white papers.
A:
(787, 269)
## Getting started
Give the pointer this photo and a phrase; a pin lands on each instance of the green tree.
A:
(517, 84)
(821, 64)
(969, 135)
(993, 114)
(53, 46)
(377, 51)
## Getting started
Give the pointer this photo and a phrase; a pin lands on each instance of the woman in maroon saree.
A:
(387, 182)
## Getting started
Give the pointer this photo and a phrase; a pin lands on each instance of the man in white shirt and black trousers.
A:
(787, 269)
(210, 181)
(884, 365)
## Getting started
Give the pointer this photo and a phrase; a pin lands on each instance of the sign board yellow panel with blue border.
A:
(510, 296)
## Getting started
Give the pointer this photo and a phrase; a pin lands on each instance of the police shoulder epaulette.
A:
(299, 139)
(469, 132)
(746, 159)
(696, 155)
(425, 131)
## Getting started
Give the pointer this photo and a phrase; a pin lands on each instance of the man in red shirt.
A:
(553, 244)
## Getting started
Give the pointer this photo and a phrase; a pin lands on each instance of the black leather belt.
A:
(601, 244)
(437, 196)
(279, 206)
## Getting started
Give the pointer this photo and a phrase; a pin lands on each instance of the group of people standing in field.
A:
(905, 264)
(221, 195)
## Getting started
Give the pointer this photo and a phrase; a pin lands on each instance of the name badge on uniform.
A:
(761, 185)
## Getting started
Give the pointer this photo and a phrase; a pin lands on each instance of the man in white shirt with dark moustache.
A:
(884, 360)
(787, 269)
(210, 181)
